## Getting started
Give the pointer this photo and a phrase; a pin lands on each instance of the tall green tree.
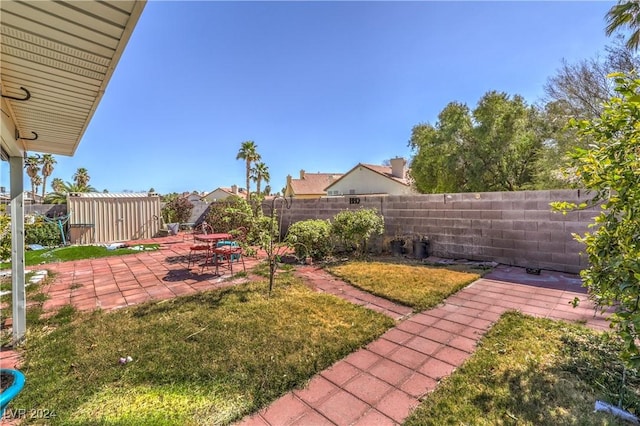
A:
(249, 153)
(625, 14)
(440, 158)
(81, 177)
(577, 90)
(610, 167)
(47, 161)
(259, 173)
(492, 148)
(32, 167)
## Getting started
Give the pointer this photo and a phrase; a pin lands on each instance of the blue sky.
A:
(319, 86)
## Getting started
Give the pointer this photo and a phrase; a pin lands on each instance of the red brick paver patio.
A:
(377, 385)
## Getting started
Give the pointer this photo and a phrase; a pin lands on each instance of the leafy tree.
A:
(47, 161)
(249, 153)
(32, 166)
(259, 173)
(611, 168)
(577, 90)
(583, 87)
(625, 14)
(440, 159)
(492, 148)
(81, 177)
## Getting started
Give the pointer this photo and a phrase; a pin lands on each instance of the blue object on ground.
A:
(9, 393)
(35, 247)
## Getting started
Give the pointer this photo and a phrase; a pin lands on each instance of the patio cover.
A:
(56, 59)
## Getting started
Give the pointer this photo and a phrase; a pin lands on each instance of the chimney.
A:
(397, 167)
(234, 189)
(288, 179)
(301, 174)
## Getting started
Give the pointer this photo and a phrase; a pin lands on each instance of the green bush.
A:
(5, 234)
(310, 238)
(41, 232)
(232, 213)
(177, 210)
(355, 227)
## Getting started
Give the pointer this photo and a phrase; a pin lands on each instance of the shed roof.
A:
(112, 195)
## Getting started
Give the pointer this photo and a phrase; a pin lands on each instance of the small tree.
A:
(354, 228)
(611, 168)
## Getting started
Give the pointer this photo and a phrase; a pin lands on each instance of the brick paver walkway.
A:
(381, 383)
(377, 385)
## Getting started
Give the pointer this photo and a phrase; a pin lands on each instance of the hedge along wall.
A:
(513, 228)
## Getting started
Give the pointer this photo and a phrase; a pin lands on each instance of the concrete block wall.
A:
(513, 228)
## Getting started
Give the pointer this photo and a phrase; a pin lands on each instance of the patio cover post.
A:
(18, 294)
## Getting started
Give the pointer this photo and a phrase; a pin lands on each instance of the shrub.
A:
(41, 232)
(310, 238)
(232, 213)
(5, 234)
(177, 210)
(354, 228)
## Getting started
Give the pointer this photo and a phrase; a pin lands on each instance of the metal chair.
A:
(227, 252)
(198, 247)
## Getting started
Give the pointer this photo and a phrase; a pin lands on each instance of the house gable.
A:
(370, 179)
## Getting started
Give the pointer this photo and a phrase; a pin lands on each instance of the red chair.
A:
(198, 247)
(227, 254)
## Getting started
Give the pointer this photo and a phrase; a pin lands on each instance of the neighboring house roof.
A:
(385, 171)
(229, 191)
(312, 183)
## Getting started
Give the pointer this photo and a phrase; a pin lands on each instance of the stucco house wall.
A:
(362, 181)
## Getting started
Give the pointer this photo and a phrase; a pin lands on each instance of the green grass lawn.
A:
(530, 371)
(208, 358)
(416, 286)
(65, 254)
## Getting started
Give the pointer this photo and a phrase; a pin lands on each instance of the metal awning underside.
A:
(63, 53)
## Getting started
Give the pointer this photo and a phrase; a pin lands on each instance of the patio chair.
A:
(227, 252)
(199, 247)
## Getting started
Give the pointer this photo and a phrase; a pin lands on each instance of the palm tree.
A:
(64, 189)
(260, 172)
(81, 177)
(47, 162)
(625, 14)
(37, 181)
(248, 152)
(57, 184)
(32, 166)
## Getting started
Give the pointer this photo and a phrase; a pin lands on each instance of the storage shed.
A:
(96, 217)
